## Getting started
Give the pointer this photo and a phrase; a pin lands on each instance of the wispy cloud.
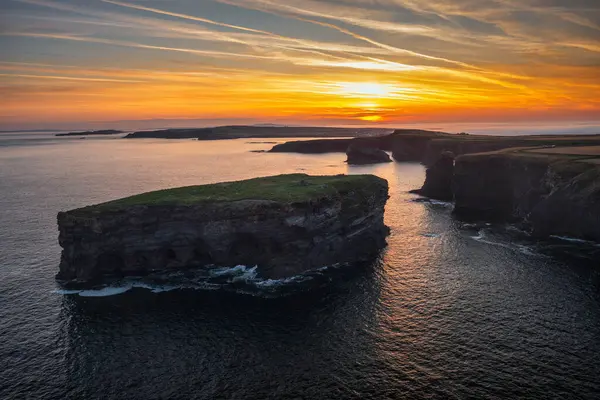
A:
(363, 59)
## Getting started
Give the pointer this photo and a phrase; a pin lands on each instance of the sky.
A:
(68, 63)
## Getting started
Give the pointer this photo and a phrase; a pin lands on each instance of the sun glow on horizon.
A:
(365, 89)
(329, 63)
(371, 118)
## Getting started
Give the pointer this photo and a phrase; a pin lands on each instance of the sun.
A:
(365, 89)
(372, 118)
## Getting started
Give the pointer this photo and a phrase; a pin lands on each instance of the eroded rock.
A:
(439, 178)
(359, 154)
(285, 225)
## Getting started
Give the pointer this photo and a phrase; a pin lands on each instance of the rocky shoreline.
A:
(552, 194)
(551, 183)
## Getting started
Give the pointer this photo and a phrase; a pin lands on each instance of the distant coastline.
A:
(254, 131)
(90, 133)
(34, 131)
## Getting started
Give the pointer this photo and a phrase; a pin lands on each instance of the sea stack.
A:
(285, 225)
(359, 155)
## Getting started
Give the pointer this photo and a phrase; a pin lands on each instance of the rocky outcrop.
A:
(427, 146)
(465, 145)
(555, 195)
(412, 145)
(400, 140)
(439, 178)
(285, 225)
(572, 208)
(317, 146)
(360, 155)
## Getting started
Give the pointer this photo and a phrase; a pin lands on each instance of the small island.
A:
(91, 133)
(285, 225)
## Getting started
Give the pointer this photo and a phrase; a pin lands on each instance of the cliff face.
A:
(572, 208)
(498, 186)
(340, 220)
(412, 145)
(555, 196)
(439, 179)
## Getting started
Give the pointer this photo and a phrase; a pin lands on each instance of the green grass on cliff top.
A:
(281, 188)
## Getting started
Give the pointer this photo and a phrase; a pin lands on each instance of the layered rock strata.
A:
(285, 225)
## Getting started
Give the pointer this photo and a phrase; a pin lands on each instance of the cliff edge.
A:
(555, 194)
(285, 225)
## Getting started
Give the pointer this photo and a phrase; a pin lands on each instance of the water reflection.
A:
(215, 343)
(442, 315)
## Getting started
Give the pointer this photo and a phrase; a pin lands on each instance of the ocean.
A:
(450, 310)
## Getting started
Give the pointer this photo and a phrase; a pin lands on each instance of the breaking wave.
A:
(574, 240)
(482, 237)
(239, 279)
(428, 200)
(430, 235)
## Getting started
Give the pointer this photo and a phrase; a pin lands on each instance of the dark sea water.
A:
(449, 311)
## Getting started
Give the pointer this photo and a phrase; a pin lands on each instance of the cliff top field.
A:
(593, 151)
(578, 153)
(533, 140)
(289, 188)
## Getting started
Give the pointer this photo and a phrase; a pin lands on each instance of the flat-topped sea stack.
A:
(285, 225)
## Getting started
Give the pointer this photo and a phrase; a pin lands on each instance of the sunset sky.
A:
(67, 63)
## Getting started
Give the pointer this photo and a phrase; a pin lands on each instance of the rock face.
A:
(439, 178)
(571, 209)
(285, 225)
(554, 195)
(412, 145)
(359, 155)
